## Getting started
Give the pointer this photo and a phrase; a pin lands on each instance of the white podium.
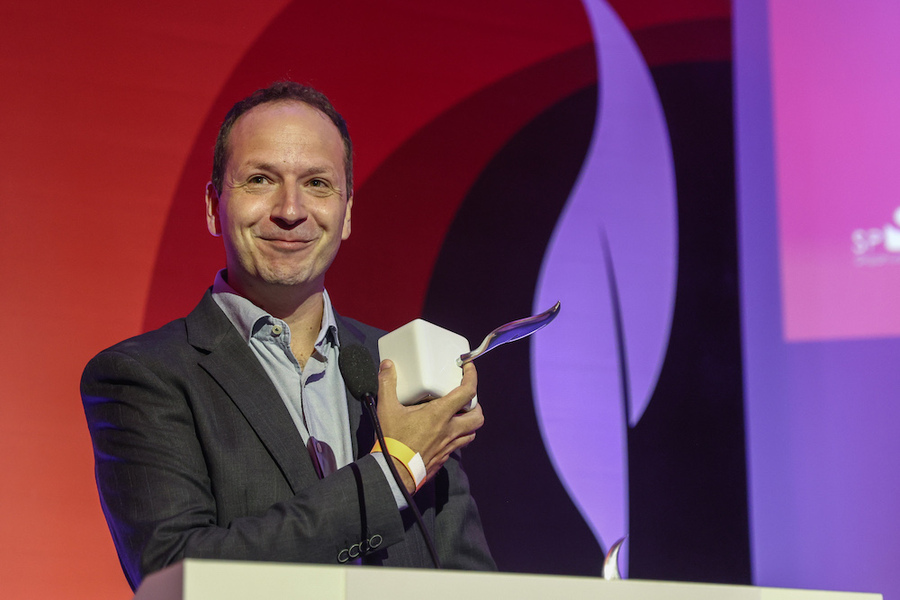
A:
(231, 580)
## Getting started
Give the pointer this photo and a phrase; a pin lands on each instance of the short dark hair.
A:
(278, 92)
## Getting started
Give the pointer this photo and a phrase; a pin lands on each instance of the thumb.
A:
(387, 382)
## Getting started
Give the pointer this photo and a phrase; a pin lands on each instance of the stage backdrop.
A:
(818, 135)
(508, 154)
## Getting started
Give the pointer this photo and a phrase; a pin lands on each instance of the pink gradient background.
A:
(835, 86)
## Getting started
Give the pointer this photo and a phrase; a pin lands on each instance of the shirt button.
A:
(276, 330)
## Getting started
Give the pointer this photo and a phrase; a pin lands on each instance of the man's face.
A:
(283, 209)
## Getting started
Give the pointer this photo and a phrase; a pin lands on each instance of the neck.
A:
(301, 307)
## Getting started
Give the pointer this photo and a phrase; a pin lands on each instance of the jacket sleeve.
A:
(160, 490)
(446, 502)
(460, 539)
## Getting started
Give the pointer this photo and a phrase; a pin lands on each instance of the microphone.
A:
(359, 372)
(361, 378)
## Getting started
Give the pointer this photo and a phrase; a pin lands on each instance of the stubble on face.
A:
(283, 211)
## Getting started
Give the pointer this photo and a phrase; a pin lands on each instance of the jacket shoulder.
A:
(357, 331)
(170, 344)
(163, 340)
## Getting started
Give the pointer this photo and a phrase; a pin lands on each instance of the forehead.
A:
(284, 130)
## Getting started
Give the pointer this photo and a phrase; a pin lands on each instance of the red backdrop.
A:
(108, 112)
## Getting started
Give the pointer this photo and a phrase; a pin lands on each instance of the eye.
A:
(257, 179)
(320, 187)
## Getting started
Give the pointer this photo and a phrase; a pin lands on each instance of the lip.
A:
(287, 243)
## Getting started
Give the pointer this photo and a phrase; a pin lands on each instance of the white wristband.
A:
(411, 460)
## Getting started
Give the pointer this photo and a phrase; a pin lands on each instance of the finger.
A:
(460, 443)
(457, 444)
(387, 381)
(470, 376)
(468, 422)
(459, 397)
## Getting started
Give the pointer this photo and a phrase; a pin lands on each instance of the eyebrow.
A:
(267, 166)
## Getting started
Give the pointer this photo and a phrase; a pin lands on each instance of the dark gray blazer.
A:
(197, 457)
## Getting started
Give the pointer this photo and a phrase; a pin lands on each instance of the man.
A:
(213, 435)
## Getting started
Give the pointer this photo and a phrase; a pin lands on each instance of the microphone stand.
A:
(368, 401)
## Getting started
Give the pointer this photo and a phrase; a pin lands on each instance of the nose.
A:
(289, 208)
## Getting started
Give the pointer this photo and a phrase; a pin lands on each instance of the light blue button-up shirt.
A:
(315, 394)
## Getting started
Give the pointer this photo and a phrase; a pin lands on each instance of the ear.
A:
(345, 232)
(212, 210)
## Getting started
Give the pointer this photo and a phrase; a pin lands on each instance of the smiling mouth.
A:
(287, 244)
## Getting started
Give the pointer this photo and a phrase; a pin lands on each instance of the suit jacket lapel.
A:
(230, 361)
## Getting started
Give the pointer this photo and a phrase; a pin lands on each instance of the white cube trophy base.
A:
(424, 356)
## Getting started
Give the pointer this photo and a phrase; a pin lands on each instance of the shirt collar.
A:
(247, 318)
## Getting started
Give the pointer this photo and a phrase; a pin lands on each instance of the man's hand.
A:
(434, 429)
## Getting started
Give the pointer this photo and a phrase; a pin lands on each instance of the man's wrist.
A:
(411, 461)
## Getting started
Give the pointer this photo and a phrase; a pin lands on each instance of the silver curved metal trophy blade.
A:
(511, 332)
(611, 563)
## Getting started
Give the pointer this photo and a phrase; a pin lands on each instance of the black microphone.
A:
(359, 372)
(361, 378)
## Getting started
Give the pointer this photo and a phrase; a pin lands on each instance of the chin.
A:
(287, 278)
